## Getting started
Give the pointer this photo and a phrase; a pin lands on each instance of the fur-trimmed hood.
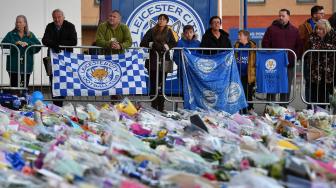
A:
(195, 37)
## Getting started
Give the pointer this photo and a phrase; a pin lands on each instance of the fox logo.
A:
(99, 74)
(180, 14)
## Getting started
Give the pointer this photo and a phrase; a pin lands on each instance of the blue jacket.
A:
(184, 43)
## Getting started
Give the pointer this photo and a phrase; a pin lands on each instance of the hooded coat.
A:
(305, 29)
(184, 43)
(283, 36)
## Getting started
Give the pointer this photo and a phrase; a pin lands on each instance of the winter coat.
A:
(280, 36)
(322, 64)
(121, 33)
(12, 61)
(251, 66)
(66, 36)
(210, 41)
(305, 29)
(184, 43)
(158, 39)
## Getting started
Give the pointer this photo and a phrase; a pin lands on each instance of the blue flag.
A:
(98, 75)
(212, 82)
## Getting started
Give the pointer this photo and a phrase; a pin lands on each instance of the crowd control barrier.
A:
(173, 91)
(318, 79)
(42, 82)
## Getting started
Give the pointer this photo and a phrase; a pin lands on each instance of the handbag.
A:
(169, 65)
(47, 65)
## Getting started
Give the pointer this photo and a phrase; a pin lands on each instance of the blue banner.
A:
(98, 75)
(212, 82)
(142, 15)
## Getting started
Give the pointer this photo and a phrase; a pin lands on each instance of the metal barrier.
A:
(177, 97)
(42, 82)
(318, 79)
(8, 51)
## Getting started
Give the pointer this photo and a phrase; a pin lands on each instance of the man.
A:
(282, 34)
(113, 35)
(58, 33)
(305, 29)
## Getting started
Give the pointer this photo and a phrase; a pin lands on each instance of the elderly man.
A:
(113, 35)
(58, 33)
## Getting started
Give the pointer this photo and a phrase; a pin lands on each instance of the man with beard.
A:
(282, 34)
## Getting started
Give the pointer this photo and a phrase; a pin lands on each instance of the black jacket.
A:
(210, 41)
(66, 36)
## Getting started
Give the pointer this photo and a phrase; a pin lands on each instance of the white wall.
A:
(38, 13)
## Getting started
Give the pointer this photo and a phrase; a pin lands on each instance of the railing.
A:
(40, 81)
(170, 89)
(8, 56)
(318, 79)
(257, 98)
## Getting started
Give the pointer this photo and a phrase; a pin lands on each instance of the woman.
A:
(246, 65)
(322, 64)
(22, 38)
(215, 37)
(160, 39)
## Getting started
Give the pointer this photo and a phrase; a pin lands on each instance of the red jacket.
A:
(283, 36)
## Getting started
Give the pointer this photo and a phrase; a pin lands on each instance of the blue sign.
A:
(256, 34)
(142, 15)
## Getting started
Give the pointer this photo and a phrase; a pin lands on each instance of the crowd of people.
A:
(114, 37)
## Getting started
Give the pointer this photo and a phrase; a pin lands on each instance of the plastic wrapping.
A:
(253, 180)
(124, 145)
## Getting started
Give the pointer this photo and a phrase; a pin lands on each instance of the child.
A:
(188, 40)
(246, 66)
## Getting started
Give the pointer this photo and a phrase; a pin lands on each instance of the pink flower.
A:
(244, 164)
(196, 149)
